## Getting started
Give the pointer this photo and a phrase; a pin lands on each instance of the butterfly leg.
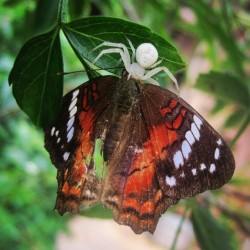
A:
(154, 65)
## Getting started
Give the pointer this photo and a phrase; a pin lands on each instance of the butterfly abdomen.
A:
(123, 104)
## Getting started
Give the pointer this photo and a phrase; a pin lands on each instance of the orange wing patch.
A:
(142, 200)
(72, 179)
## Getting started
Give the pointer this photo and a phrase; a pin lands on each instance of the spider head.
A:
(146, 55)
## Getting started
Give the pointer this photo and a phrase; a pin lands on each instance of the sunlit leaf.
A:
(86, 33)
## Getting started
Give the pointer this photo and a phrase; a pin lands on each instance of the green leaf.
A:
(234, 119)
(213, 27)
(210, 233)
(86, 33)
(226, 87)
(240, 181)
(244, 125)
(36, 86)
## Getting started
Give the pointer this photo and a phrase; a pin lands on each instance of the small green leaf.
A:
(225, 86)
(240, 181)
(210, 233)
(234, 119)
(36, 86)
(86, 33)
(244, 125)
(213, 27)
(219, 105)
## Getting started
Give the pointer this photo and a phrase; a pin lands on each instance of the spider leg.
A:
(154, 71)
(155, 64)
(125, 58)
(133, 50)
(153, 81)
(114, 45)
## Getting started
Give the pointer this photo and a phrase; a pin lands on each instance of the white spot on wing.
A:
(178, 159)
(212, 168)
(219, 142)
(170, 181)
(195, 131)
(216, 154)
(186, 149)
(58, 140)
(182, 175)
(73, 112)
(197, 121)
(72, 104)
(70, 122)
(70, 134)
(202, 166)
(57, 133)
(194, 171)
(66, 156)
(189, 136)
(75, 94)
(52, 131)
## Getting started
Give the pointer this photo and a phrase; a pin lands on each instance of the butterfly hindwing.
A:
(131, 186)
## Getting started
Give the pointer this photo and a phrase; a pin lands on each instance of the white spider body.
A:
(146, 55)
(136, 71)
(142, 64)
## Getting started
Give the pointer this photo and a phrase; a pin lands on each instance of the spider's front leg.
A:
(125, 58)
(154, 71)
(120, 46)
(133, 50)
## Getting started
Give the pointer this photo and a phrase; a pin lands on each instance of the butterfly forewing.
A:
(71, 143)
(194, 157)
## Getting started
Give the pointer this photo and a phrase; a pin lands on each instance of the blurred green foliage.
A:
(27, 185)
(28, 180)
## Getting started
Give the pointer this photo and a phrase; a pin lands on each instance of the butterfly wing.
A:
(131, 186)
(192, 156)
(71, 143)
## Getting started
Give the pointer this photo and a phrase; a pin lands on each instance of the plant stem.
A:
(62, 11)
(177, 234)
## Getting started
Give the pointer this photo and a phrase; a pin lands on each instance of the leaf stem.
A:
(62, 11)
(178, 231)
(241, 130)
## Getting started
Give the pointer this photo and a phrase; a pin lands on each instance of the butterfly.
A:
(156, 150)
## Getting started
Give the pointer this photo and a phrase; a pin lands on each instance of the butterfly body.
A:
(156, 150)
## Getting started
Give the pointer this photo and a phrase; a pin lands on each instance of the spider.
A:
(142, 64)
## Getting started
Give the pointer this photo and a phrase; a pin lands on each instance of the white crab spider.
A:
(142, 64)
